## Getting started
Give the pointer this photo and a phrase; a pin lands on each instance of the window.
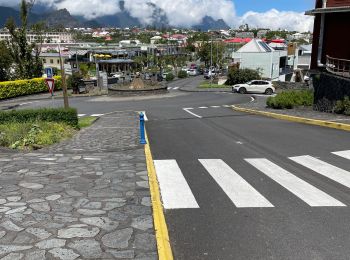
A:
(58, 61)
(44, 60)
(51, 61)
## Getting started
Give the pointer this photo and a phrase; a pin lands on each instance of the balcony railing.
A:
(339, 67)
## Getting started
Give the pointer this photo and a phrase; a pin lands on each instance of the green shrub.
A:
(342, 106)
(68, 116)
(182, 74)
(290, 99)
(239, 76)
(169, 77)
(11, 89)
(33, 135)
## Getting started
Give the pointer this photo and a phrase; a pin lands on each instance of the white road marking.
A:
(176, 194)
(344, 154)
(226, 106)
(203, 107)
(97, 115)
(188, 111)
(252, 99)
(176, 88)
(332, 172)
(28, 103)
(300, 188)
(81, 115)
(241, 193)
(215, 106)
(169, 88)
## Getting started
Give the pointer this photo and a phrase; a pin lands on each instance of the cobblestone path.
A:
(86, 198)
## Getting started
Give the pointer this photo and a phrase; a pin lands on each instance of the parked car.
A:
(192, 72)
(255, 86)
(209, 74)
(118, 75)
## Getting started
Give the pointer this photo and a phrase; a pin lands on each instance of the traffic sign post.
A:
(50, 83)
(49, 72)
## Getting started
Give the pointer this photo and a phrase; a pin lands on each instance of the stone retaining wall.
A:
(329, 89)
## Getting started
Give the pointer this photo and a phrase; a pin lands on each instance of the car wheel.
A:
(242, 91)
(268, 91)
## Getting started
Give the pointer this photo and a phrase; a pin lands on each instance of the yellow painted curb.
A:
(162, 236)
(309, 121)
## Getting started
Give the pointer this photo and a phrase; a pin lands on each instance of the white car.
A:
(118, 75)
(255, 86)
(192, 72)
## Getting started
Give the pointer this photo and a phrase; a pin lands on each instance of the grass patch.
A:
(34, 135)
(291, 99)
(208, 85)
(86, 121)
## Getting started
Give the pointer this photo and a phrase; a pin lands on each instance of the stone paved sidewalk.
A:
(260, 104)
(87, 198)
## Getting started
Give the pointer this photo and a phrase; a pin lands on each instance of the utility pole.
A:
(211, 59)
(63, 80)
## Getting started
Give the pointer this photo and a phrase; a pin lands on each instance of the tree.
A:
(206, 55)
(239, 76)
(26, 64)
(5, 62)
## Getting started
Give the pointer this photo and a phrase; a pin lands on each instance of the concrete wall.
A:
(268, 62)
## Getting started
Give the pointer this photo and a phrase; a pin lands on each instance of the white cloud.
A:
(274, 19)
(182, 12)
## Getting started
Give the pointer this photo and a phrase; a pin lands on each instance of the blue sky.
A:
(243, 6)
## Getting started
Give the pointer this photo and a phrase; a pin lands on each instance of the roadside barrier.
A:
(142, 129)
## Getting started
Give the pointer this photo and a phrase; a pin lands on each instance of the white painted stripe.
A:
(215, 106)
(176, 194)
(344, 154)
(241, 193)
(300, 188)
(176, 88)
(188, 111)
(97, 115)
(332, 172)
(252, 99)
(226, 106)
(203, 107)
(81, 115)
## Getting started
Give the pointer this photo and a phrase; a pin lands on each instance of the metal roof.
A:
(126, 61)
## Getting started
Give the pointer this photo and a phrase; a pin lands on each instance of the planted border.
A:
(11, 89)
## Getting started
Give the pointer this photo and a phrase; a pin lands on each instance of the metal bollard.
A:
(142, 129)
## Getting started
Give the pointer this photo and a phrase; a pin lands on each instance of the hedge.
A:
(11, 89)
(291, 99)
(68, 116)
(182, 74)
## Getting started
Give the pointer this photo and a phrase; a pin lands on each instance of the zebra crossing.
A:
(177, 193)
(173, 88)
(93, 115)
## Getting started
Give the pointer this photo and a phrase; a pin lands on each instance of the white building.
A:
(48, 37)
(258, 55)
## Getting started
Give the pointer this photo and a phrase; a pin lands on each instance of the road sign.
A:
(67, 69)
(49, 72)
(50, 83)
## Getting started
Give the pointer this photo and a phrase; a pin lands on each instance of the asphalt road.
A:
(239, 186)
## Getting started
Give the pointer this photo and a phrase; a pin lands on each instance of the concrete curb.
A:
(339, 126)
(162, 236)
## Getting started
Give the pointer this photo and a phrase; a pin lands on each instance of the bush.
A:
(239, 76)
(343, 106)
(169, 77)
(33, 135)
(11, 89)
(68, 116)
(182, 74)
(74, 82)
(290, 99)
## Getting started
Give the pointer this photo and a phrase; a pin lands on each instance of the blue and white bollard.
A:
(142, 129)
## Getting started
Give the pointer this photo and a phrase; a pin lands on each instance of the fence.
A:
(338, 67)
